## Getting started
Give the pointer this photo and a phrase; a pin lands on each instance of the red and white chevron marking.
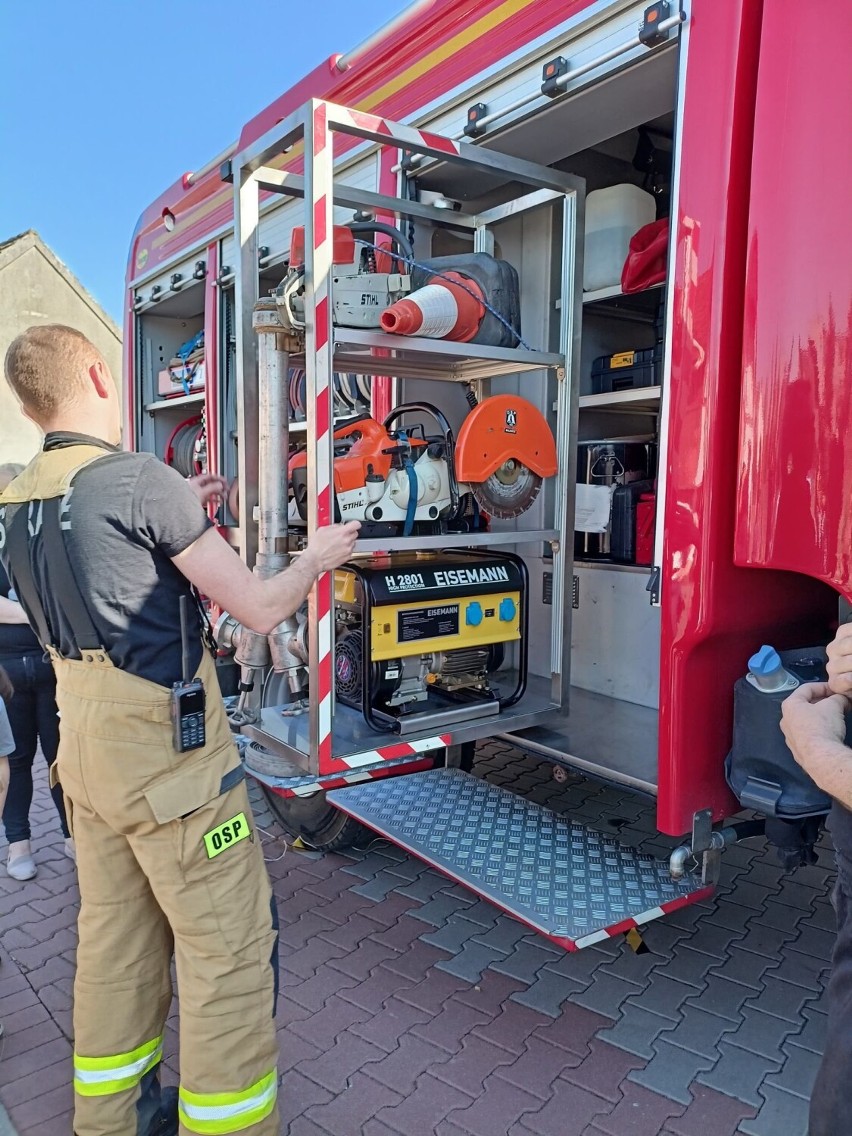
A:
(339, 780)
(319, 361)
(637, 922)
(407, 137)
(393, 752)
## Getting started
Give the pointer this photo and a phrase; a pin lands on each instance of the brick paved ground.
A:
(409, 1008)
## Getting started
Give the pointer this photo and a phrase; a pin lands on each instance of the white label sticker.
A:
(593, 508)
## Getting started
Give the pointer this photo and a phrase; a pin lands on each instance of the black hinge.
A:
(649, 30)
(575, 594)
(653, 585)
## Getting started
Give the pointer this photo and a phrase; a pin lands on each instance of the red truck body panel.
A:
(794, 509)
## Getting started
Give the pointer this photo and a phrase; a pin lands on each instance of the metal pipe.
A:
(196, 175)
(345, 61)
(273, 441)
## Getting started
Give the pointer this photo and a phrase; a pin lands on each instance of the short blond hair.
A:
(46, 365)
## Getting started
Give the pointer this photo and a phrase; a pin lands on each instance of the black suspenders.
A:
(20, 551)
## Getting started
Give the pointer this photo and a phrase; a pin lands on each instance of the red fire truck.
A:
(552, 296)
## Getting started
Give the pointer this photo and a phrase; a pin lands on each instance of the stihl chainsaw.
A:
(407, 479)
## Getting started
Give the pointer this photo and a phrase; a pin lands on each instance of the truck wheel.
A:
(317, 823)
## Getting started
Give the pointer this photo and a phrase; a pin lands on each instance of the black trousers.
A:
(32, 716)
(831, 1099)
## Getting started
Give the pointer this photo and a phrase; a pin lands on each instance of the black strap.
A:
(62, 580)
(18, 552)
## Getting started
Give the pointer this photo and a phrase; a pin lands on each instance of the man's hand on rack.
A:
(209, 488)
(331, 547)
(840, 661)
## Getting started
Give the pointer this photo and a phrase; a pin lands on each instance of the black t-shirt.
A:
(124, 518)
(16, 639)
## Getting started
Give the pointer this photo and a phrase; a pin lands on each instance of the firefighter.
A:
(101, 546)
(814, 724)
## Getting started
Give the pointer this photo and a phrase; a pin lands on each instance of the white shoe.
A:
(70, 848)
(20, 865)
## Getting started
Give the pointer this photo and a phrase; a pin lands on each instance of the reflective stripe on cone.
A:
(217, 1114)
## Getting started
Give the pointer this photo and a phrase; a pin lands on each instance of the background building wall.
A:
(36, 288)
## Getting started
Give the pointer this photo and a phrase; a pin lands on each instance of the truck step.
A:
(571, 883)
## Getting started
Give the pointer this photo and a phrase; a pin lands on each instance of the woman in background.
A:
(32, 716)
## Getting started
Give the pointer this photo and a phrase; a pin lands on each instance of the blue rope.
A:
(443, 276)
(408, 466)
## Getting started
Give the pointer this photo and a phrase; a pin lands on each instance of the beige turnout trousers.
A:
(167, 861)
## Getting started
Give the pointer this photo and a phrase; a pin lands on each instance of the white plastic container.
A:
(613, 215)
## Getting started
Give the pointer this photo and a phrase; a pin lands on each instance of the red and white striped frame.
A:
(339, 780)
(319, 207)
(384, 130)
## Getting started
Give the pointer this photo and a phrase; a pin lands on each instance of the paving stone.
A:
(798, 896)
(664, 994)
(425, 887)
(503, 936)
(823, 917)
(400, 1069)
(348, 934)
(783, 999)
(408, 869)
(580, 966)
(321, 1029)
(636, 1030)
(499, 1107)
(389, 1025)
(761, 939)
(782, 916)
(525, 961)
(424, 1110)
(363, 960)
(511, 1028)
(709, 1114)
(378, 887)
(746, 967)
(390, 910)
(375, 991)
(568, 1101)
(728, 913)
(699, 1031)
(548, 992)
(491, 994)
(723, 997)
(780, 1113)
(441, 908)
(348, 1112)
(671, 1071)
(639, 1112)
(415, 962)
(813, 1034)
(798, 1072)
(47, 1114)
(814, 942)
(450, 1026)
(606, 994)
(761, 1033)
(739, 1074)
(471, 961)
(469, 1068)
(691, 966)
(401, 935)
(802, 970)
(431, 994)
(314, 992)
(333, 1069)
(452, 935)
(603, 1070)
(711, 939)
(369, 866)
(538, 1067)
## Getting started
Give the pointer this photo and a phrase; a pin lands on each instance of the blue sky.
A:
(104, 103)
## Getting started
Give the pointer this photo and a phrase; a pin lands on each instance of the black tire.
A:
(317, 823)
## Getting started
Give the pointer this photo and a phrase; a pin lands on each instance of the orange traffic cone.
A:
(449, 308)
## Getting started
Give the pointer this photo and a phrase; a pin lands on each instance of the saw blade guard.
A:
(506, 443)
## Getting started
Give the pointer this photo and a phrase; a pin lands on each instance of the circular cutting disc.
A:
(509, 491)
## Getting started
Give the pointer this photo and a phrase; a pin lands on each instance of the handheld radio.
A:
(188, 697)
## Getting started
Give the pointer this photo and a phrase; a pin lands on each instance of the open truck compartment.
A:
(615, 646)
